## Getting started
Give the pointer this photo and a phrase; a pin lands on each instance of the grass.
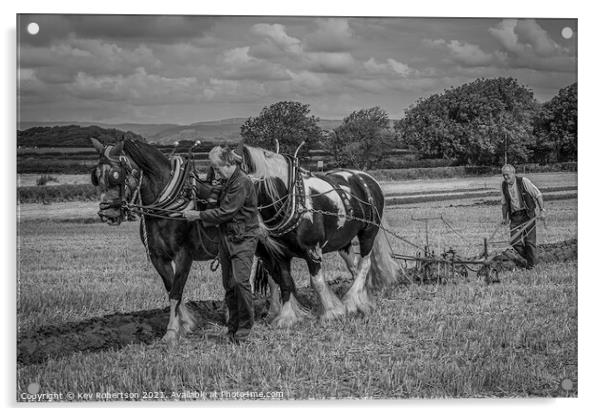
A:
(56, 193)
(517, 338)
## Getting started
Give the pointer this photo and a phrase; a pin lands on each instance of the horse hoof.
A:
(284, 322)
(332, 314)
(357, 307)
(187, 328)
(170, 338)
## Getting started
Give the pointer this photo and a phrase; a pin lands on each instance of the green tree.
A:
(362, 140)
(476, 123)
(289, 122)
(555, 127)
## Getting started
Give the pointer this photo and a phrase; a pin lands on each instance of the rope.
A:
(350, 217)
(455, 232)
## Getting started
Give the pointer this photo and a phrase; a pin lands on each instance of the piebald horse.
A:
(308, 215)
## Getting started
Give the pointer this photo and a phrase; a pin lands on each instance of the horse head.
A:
(117, 179)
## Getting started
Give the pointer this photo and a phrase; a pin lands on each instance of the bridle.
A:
(122, 173)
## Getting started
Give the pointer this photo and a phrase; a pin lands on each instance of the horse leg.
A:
(275, 306)
(180, 319)
(357, 299)
(372, 252)
(346, 255)
(164, 267)
(331, 305)
(292, 311)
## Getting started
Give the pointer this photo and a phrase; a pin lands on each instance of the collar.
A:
(235, 175)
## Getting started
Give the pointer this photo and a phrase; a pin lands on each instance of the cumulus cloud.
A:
(463, 53)
(526, 44)
(332, 35)
(391, 66)
(277, 35)
(238, 64)
(93, 56)
(469, 54)
(139, 87)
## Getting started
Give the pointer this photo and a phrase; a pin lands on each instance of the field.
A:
(91, 311)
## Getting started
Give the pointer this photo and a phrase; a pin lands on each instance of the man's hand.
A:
(191, 214)
(542, 214)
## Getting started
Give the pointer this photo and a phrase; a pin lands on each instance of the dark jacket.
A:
(526, 197)
(236, 214)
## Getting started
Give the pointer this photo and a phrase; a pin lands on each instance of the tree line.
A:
(485, 122)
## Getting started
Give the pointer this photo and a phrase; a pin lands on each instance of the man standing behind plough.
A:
(519, 199)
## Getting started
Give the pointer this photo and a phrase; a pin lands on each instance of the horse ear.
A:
(117, 149)
(97, 145)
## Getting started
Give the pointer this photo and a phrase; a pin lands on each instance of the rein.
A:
(174, 197)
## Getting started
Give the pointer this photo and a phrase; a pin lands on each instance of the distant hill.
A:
(145, 130)
(227, 130)
(70, 136)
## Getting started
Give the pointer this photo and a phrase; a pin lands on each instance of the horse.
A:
(308, 215)
(134, 170)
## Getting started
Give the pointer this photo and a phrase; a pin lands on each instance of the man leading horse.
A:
(237, 218)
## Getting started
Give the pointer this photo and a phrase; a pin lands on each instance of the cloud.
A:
(532, 34)
(469, 54)
(391, 66)
(337, 63)
(433, 43)
(276, 34)
(238, 64)
(140, 88)
(142, 28)
(526, 44)
(305, 82)
(92, 56)
(333, 35)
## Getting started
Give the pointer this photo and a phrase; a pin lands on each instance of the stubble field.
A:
(91, 314)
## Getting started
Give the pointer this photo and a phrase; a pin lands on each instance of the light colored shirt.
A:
(516, 202)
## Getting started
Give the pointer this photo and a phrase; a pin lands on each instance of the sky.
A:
(186, 69)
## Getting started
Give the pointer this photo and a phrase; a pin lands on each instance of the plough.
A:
(449, 266)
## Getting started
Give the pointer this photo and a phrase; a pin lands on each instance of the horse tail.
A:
(273, 247)
(383, 268)
(261, 280)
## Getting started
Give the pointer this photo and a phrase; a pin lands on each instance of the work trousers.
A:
(524, 243)
(236, 259)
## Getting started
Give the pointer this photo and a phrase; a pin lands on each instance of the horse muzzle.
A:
(111, 213)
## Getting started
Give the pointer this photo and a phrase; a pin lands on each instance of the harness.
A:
(345, 197)
(368, 193)
(293, 205)
(178, 192)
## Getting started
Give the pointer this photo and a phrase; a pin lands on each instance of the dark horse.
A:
(133, 170)
(308, 215)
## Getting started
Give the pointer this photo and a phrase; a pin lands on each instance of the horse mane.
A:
(261, 163)
(264, 166)
(150, 159)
